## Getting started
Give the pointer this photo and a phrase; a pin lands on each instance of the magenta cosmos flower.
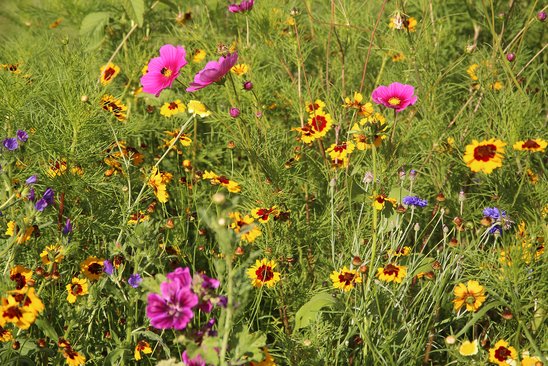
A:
(196, 361)
(172, 308)
(213, 72)
(244, 6)
(163, 70)
(395, 96)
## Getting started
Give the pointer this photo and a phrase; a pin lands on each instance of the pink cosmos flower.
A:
(163, 70)
(245, 5)
(395, 96)
(213, 72)
(196, 361)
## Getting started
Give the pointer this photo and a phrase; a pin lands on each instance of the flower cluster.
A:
(12, 143)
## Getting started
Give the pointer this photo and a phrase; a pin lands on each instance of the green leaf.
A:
(170, 4)
(117, 354)
(424, 266)
(477, 316)
(135, 9)
(308, 312)
(249, 345)
(93, 28)
(47, 329)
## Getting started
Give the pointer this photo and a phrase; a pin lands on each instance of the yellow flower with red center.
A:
(400, 252)
(114, 106)
(116, 153)
(52, 254)
(21, 307)
(199, 55)
(345, 279)
(5, 335)
(240, 69)
(263, 274)
(392, 273)
(468, 348)
(183, 139)
(307, 133)
(472, 295)
(108, 73)
(72, 357)
(137, 218)
(92, 267)
(57, 168)
(502, 354)
(172, 108)
(215, 179)
(380, 200)
(198, 108)
(354, 102)
(340, 151)
(400, 22)
(22, 276)
(263, 214)
(142, 346)
(484, 156)
(398, 57)
(78, 287)
(158, 182)
(315, 107)
(370, 131)
(532, 145)
(320, 124)
(244, 227)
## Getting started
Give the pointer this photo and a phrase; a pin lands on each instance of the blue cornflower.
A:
(135, 280)
(414, 201)
(11, 143)
(22, 136)
(108, 268)
(498, 218)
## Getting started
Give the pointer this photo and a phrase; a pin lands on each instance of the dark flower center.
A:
(319, 123)
(485, 152)
(391, 270)
(347, 278)
(264, 273)
(20, 280)
(340, 148)
(313, 106)
(95, 268)
(109, 73)
(12, 312)
(530, 144)
(502, 353)
(173, 106)
(76, 289)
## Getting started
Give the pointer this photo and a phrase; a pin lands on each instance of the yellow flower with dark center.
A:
(172, 108)
(72, 357)
(380, 200)
(244, 227)
(398, 57)
(484, 156)
(468, 348)
(240, 69)
(11, 228)
(215, 179)
(472, 295)
(340, 151)
(262, 273)
(392, 273)
(502, 354)
(264, 214)
(532, 145)
(57, 168)
(401, 22)
(21, 276)
(345, 279)
(5, 335)
(307, 133)
(52, 254)
(198, 108)
(400, 252)
(320, 124)
(108, 73)
(142, 346)
(13, 68)
(199, 55)
(92, 267)
(315, 107)
(11, 311)
(528, 360)
(137, 218)
(158, 182)
(25, 235)
(114, 106)
(184, 139)
(354, 102)
(78, 287)
(26, 297)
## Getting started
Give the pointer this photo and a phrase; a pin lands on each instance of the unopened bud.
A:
(440, 197)
(356, 261)
(417, 227)
(84, 98)
(450, 339)
(218, 198)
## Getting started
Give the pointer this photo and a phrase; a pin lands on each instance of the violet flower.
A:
(395, 96)
(22, 136)
(213, 72)
(10, 143)
(135, 280)
(244, 6)
(163, 70)
(196, 361)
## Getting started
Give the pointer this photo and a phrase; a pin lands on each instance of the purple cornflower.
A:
(11, 143)
(499, 220)
(135, 280)
(23, 136)
(172, 308)
(46, 200)
(244, 6)
(31, 180)
(108, 268)
(414, 201)
(196, 361)
(67, 229)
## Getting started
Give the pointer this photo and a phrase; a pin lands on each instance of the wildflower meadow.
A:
(284, 182)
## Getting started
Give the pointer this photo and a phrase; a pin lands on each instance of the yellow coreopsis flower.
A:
(345, 279)
(142, 346)
(502, 354)
(198, 108)
(199, 55)
(263, 274)
(78, 287)
(468, 348)
(484, 156)
(108, 73)
(172, 108)
(392, 273)
(240, 69)
(472, 295)
(244, 227)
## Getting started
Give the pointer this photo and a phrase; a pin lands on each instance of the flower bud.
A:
(84, 98)
(248, 85)
(541, 16)
(234, 112)
(368, 177)
(510, 57)
(356, 261)
(450, 339)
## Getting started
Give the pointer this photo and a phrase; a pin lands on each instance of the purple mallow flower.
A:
(22, 136)
(414, 201)
(172, 308)
(244, 6)
(196, 361)
(135, 280)
(205, 287)
(10, 143)
(108, 268)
